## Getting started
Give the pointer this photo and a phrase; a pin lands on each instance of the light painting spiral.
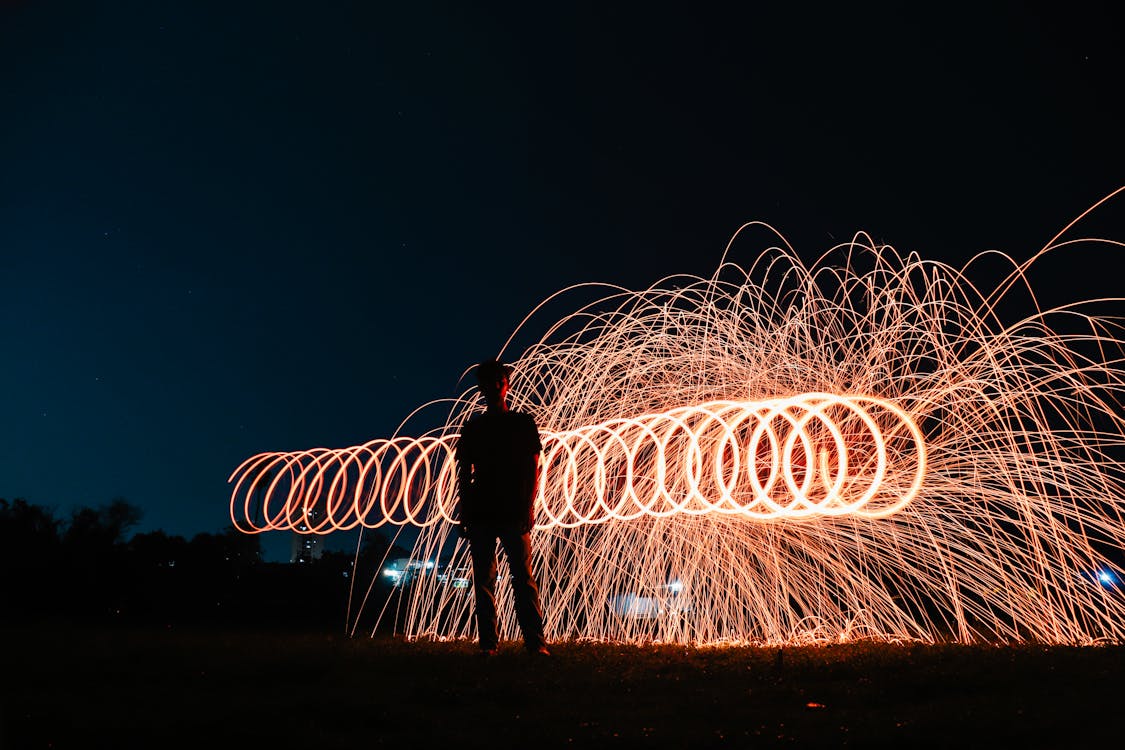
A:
(804, 456)
(711, 476)
(798, 457)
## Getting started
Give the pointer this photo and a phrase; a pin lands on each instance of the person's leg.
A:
(482, 547)
(517, 548)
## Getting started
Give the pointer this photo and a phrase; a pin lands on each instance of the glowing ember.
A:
(867, 447)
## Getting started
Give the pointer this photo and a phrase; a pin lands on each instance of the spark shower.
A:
(872, 445)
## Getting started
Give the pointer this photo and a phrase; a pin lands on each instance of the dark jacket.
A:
(496, 458)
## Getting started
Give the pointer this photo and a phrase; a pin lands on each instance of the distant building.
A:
(305, 547)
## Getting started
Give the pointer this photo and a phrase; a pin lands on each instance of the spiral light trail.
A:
(867, 446)
(764, 460)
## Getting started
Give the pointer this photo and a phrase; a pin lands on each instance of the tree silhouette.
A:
(87, 566)
(29, 553)
(27, 532)
(103, 527)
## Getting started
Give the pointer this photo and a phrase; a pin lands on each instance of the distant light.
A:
(429, 564)
(675, 586)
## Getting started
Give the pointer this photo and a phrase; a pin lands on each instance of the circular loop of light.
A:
(810, 455)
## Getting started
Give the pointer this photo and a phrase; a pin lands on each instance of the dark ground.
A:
(209, 686)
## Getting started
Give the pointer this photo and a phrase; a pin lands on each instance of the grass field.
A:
(153, 687)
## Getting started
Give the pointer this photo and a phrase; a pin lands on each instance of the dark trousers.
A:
(517, 549)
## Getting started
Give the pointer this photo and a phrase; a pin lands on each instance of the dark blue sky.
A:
(228, 228)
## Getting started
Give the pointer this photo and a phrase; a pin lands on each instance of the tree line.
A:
(87, 566)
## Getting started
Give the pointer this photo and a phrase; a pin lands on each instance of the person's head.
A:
(492, 377)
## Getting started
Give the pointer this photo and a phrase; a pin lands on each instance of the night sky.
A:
(228, 228)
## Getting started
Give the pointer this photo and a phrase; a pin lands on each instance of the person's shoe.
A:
(539, 650)
(487, 652)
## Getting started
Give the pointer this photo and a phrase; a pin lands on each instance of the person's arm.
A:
(538, 472)
(537, 443)
(464, 483)
(464, 478)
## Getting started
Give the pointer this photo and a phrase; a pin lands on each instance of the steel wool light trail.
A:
(693, 460)
(872, 445)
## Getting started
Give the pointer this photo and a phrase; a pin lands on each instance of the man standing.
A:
(497, 480)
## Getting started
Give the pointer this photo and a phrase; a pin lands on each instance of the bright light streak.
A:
(867, 446)
(799, 457)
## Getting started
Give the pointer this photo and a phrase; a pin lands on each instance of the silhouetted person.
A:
(497, 480)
